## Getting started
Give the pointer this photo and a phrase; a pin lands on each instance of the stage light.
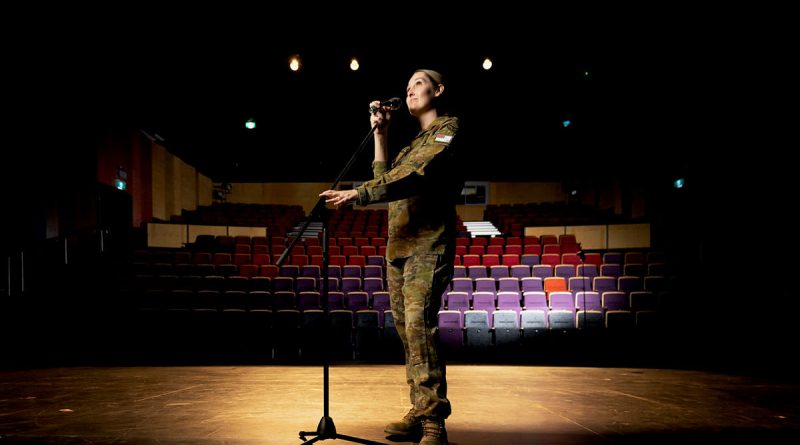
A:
(294, 63)
(120, 184)
(487, 64)
(679, 183)
(566, 123)
(354, 64)
(250, 124)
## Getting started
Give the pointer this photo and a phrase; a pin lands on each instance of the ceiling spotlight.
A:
(294, 63)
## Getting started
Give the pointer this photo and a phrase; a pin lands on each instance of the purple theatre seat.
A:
(579, 284)
(305, 284)
(308, 301)
(542, 271)
(350, 284)
(634, 269)
(531, 284)
(352, 271)
(615, 301)
(562, 311)
(529, 259)
(520, 271)
(282, 284)
(566, 271)
(485, 285)
(375, 260)
(477, 271)
(612, 258)
(380, 302)
(498, 272)
(508, 285)
(259, 300)
(333, 284)
(617, 311)
(284, 300)
(586, 270)
(451, 329)
(484, 301)
(535, 300)
(610, 270)
(458, 301)
(372, 285)
(371, 271)
(290, 270)
(590, 310)
(604, 284)
(310, 270)
(629, 284)
(588, 300)
(462, 285)
(357, 301)
(335, 300)
(509, 301)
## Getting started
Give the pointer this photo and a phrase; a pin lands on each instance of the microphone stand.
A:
(326, 428)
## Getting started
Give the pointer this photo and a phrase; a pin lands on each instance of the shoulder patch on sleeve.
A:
(446, 138)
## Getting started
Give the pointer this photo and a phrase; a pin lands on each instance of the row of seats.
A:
(553, 284)
(184, 299)
(559, 270)
(477, 328)
(372, 278)
(143, 283)
(373, 267)
(361, 300)
(290, 333)
(539, 300)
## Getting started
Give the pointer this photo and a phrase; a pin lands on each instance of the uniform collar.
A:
(435, 125)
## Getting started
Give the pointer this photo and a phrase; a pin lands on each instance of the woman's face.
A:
(420, 93)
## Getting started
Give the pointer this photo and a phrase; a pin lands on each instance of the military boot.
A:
(410, 424)
(433, 432)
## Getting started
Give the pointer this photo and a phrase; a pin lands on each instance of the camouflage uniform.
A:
(421, 187)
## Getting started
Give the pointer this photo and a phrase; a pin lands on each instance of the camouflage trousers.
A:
(415, 287)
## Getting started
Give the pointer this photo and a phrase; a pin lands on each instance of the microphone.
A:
(392, 104)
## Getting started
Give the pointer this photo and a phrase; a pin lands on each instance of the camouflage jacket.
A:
(422, 187)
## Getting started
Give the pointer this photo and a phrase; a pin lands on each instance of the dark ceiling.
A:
(195, 88)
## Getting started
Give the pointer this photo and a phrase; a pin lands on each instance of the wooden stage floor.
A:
(491, 405)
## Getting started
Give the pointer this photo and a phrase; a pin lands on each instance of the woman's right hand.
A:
(380, 118)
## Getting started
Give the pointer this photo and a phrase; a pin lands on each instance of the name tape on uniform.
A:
(446, 138)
